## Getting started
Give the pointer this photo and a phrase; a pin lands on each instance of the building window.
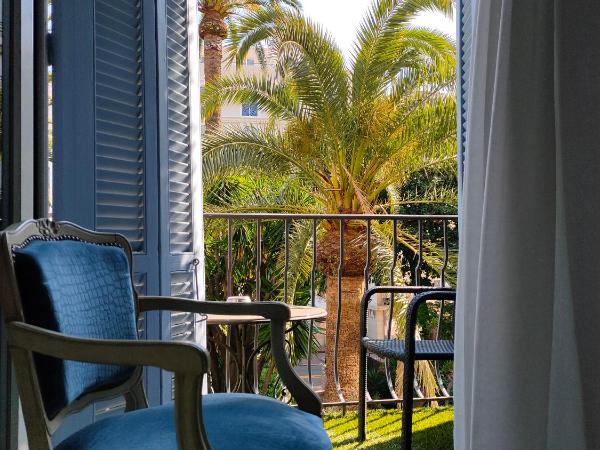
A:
(249, 62)
(249, 110)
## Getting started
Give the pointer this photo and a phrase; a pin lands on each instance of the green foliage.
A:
(241, 192)
(230, 8)
(352, 128)
(377, 380)
(430, 190)
(363, 135)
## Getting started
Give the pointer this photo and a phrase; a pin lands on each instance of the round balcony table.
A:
(297, 315)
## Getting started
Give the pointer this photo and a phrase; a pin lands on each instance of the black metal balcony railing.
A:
(445, 243)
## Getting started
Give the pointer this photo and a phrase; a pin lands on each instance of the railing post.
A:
(258, 258)
(420, 254)
(445, 263)
(436, 365)
(313, 274)
(229, 293)
(229, 258)
(336, 374)
(386, 365)
(367, 276)
(258, 275)
(418, 283)
(286, 262)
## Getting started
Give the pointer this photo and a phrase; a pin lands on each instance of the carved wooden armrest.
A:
(278, 313)
(189, 362)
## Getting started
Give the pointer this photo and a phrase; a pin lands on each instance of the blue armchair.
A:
(70, 312)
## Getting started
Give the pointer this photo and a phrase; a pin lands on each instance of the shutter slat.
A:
(121, 23)
(112, 95)
(182, 323)
(119, 120)
(122, 8)
(180, 171)
(116, 48)
(139, 283)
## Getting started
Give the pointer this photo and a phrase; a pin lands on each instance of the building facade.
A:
(233, 114)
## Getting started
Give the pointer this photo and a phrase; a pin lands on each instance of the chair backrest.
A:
(64, 278)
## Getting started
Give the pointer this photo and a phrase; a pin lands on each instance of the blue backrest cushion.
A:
(79, 289)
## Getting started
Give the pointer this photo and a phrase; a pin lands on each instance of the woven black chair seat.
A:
(395, 349)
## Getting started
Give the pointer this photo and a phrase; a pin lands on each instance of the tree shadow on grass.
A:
(340, 424)
(438, 437)
(432, 430)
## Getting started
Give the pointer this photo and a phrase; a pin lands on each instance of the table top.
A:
(297, 313)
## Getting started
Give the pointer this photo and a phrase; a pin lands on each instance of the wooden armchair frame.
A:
(188, 361)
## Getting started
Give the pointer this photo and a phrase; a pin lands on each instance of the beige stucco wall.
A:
(231, 114)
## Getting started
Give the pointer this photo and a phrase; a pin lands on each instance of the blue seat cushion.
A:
(232, 421)
(79, 289)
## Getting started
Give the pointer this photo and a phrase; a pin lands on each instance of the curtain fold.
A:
(527, 369)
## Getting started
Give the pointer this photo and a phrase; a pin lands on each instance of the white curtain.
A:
(527, 368)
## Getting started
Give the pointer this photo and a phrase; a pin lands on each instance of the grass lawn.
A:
(432, 429)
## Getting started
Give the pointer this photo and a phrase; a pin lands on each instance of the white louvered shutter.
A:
(184, 165)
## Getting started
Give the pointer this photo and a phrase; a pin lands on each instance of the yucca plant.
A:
(240, 192)
(354, 130)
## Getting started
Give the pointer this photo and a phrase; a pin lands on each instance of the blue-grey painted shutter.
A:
(105, 144)
(119, 120)
(127, 158)
(105, 158)
(464, 47)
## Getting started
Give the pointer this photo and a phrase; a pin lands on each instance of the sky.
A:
(342, 18)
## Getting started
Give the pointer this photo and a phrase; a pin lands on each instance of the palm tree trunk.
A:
(213, 30)
(348, 343)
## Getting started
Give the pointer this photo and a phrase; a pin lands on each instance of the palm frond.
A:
(433, 195)
(262, 150)
(252, 29)
(385, 43)
(298, 261)
(269, 94)
(310, 58)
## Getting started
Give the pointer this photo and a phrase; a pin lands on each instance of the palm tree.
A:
(355, 130)
(214, 29)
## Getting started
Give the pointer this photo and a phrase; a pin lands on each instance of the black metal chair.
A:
(408, 350)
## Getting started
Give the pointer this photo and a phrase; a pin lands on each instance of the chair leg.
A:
(362, 394)
(407, 403)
